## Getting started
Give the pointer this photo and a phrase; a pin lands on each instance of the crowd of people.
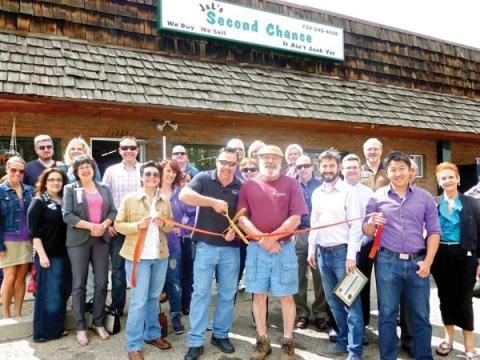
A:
(75, 226)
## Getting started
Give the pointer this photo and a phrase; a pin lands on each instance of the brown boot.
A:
(135, 355)
(288, 349)
(261, 349)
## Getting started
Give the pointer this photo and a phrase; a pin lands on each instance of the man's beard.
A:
(269, 172)
(331, 177)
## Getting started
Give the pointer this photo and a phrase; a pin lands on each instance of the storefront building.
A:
(105, 69)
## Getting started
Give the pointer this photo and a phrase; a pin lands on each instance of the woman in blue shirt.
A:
(15, 246)
(457, 262)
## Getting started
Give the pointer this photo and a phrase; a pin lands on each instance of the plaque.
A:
(350, 287)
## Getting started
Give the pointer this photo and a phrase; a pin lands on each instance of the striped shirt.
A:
(122, 181)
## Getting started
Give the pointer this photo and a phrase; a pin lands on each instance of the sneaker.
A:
(241, 286)
(353, 357)
(287, 350)
(261, 349)
(177, 325)
(332, 335)
(333, 350)
(194, 353)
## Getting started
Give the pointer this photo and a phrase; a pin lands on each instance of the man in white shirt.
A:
(335, 250)
(122, 179)
(351, 172)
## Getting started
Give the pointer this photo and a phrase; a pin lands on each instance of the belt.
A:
(403, 256)
(449, 243)
(332, 248)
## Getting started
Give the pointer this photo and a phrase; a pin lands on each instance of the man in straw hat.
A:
(274, 203)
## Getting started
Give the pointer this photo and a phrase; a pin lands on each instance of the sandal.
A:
(82, 338)
(100, 330)
(444, 348)
(471, 355)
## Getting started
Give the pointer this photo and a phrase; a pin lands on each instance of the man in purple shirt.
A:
(402, 267)
(273, 203)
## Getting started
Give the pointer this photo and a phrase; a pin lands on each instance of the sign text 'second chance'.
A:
(241, 24)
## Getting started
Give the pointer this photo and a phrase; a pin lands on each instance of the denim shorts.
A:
(275, 273)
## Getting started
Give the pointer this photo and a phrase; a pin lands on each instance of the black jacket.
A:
(469, 223)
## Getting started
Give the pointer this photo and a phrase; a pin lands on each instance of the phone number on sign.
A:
(320, 30)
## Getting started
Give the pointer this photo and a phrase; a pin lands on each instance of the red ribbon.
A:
(136, 256)
(376, 242)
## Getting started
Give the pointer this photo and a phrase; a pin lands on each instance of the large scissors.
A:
(233, 225)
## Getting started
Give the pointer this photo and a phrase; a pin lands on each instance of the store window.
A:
(419, 160)
(105, 152)
(25, 148)
(202, 156)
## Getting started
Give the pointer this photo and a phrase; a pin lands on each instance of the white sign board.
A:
(246, 25)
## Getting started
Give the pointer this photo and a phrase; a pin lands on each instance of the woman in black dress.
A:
(48, 233)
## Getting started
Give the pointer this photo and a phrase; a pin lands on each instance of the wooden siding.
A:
(372, 53)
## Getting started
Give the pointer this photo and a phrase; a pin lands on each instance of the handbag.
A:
(32, 284)
(112, 321)
(476, 289)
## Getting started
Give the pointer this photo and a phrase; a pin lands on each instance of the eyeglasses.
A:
(129, 147)
(249, 169)
(45, 147)
(303, 166)
(151, 174)
(226, 162)
(57, 180)
(14, 171)
(179, 153)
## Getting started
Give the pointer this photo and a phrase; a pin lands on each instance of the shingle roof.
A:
(74, 69)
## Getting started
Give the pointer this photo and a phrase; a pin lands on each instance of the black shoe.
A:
(224, 345)
(177, 325)
(193, 353)
(408, 349)
(332, 335)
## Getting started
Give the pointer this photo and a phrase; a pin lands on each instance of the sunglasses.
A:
(303, 166)
(45, 147)
(179, 153)
(249, 169)
(129, 147)
(151, 174)
(51, 180)
(226, 162)
(14, 171)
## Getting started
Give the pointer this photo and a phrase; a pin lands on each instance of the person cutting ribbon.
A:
(215, 192)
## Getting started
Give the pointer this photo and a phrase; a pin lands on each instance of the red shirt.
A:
(270, 203)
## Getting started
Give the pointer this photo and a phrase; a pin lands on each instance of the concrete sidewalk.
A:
(309, 341)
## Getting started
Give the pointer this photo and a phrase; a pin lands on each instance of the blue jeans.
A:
(397, 278)
(226, 260)
(119, 279)
(349, 319)
(54, 287)
(173, 283)
(142, 321)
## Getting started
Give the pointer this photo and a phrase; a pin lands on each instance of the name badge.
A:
(52, 206)
(79, 195)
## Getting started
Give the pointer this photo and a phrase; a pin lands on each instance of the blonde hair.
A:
(292, 147)
(76, 140)
(254, 147)
(14, 159)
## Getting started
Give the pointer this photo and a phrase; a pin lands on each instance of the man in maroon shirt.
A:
(273, 203)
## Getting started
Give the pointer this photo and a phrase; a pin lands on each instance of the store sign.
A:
(246, 25)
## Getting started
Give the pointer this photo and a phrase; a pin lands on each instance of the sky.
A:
(455, 21)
